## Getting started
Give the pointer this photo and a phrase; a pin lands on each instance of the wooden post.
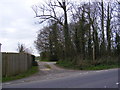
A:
(93, 52)
(0, 47)
(0, 67)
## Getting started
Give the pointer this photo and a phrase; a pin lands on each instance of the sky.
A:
(17, 24)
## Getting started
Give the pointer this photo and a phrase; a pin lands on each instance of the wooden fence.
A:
(0, 69)
(15, 63)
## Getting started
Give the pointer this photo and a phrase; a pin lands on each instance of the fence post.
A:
(0, 47)
(0, 67)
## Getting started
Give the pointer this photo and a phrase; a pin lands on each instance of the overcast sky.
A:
(17, 24)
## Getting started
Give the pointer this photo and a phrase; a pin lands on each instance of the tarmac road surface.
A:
(93, 79)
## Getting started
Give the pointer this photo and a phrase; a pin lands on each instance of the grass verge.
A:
(86, 66)
(30, 72)
(45, 60)
(100, 67)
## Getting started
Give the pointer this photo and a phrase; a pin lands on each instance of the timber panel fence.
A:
(15, 63)
(0, 71)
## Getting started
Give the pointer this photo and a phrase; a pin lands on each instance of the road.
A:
(90, 79)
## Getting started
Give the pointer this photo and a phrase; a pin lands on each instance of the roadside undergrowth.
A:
(28, 73)
(89, 65)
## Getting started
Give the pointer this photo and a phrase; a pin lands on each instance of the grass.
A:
(85, 66)
(65, 64)
(30, 72)
(37, 58)
(46, 60)
(100, 67)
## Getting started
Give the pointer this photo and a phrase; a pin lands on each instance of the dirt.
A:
(47, 70)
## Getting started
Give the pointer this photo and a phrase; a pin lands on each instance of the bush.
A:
(34, 63)
(67, 64)
(103, 63)
(33, 57)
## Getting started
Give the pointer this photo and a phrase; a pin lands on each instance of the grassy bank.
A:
(30, 72)
(86, 65)
(46, 60)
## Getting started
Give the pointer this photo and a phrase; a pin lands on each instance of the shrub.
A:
(34, 63)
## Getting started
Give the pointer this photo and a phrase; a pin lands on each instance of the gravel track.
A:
(45, 73)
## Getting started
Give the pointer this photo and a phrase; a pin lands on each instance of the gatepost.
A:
(0, 67)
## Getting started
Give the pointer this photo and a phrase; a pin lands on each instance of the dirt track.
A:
(47, 70)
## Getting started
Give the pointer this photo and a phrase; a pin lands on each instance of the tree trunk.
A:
(108, 31)
(103, 49)
(68, 44)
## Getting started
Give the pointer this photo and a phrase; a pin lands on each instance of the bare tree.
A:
(92, 30)
(50, 12)
(23, 49)
(102, 16)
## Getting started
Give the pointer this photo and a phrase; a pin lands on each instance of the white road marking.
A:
(7, 83)
(22, 81)
(105, 70)
(97, 71)
(105, 86)
(117, 83)
(86, 73)
(102, 70)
